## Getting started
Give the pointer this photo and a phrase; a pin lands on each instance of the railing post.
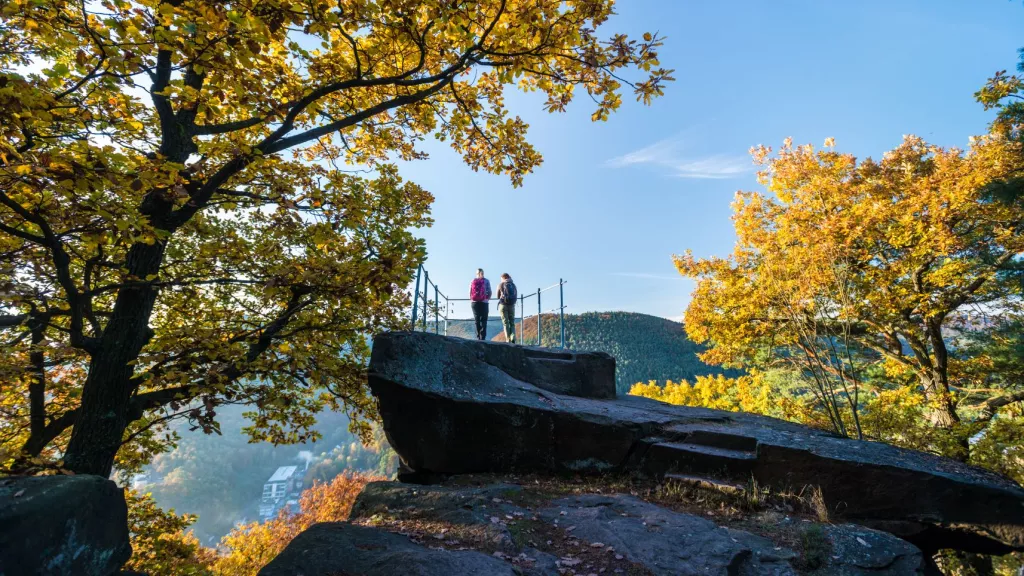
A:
(426, 298)
(447, 312)
(522, 320)
(561, 310)
(416, 296)
(540, 339)
(437, 310)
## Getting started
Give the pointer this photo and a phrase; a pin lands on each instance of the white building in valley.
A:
(282, 490)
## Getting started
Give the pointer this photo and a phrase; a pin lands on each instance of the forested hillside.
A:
(220, 477)
(645, 347)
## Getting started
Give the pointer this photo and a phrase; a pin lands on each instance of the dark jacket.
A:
(503, 290)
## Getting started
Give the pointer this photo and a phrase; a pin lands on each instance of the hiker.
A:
(507, 295)
(479, 295)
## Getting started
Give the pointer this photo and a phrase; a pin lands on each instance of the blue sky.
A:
(614, 200)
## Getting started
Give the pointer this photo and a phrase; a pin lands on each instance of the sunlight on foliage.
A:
(743, 394)
(161, 545)
(868, 280)
(249, 548)
(200, 206)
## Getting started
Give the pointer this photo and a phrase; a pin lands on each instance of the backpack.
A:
(478, 290)
(509, 295)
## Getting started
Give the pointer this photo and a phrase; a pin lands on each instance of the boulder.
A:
(57, 525)
(452, 406)
(847, 550)
(338, 548)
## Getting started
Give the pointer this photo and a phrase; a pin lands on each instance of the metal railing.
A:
(422, 306)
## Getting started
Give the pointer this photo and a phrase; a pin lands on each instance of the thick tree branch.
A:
(23, 235)
(11, 320)
(990, 407)
(226, 127)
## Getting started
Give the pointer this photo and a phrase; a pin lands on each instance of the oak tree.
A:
(197, 206)
(848, 269)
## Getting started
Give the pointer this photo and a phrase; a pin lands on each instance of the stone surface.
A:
(857, 551)
(62, 525)
(584, 533)
(668, 543)
(452, 406)
(340, 548)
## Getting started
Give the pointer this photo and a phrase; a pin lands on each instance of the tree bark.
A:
(37, 381)
(938, 392)
(102, 416)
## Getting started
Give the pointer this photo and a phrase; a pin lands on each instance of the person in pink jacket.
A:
(479, 296)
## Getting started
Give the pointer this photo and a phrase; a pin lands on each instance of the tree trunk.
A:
(936, 391)
(37, 380)
(936, 381)
(102, 418)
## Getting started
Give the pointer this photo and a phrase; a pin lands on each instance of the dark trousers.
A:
(480, 312)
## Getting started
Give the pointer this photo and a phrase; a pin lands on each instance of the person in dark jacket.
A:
(479, 296)
(507, 295)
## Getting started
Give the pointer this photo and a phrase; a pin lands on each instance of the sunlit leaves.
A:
(858, 272)
(250, 547)
(246, 149)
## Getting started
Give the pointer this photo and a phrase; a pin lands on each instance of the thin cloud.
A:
(657, 153)
(671, 154)
(719, 166)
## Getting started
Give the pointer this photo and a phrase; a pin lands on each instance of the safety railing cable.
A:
(421, 298)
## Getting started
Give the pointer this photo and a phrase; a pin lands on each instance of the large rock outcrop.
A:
(62, 525)
(453, 406)
(534, 530)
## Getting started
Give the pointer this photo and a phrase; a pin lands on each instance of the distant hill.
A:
(645, 347)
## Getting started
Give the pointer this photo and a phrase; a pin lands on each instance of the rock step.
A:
(711, 451)
(683, 457)
(718, 439)
(710, 483)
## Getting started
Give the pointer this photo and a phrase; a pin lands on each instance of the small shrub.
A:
(815, 547)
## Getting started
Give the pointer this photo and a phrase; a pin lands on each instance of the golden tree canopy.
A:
(843, 265)
(178, 228)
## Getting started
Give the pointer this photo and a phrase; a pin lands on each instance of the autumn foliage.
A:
(250, 547)
(743, 394)
(161, 542)
(198, 205)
